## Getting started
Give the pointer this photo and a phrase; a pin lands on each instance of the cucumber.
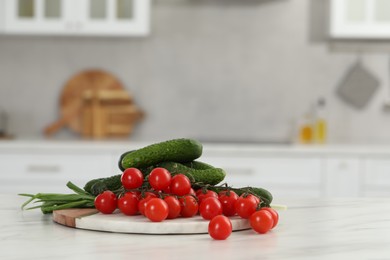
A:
(207, 174)
(176, 150)
(197, 165)
(97, 186)
(121, 158)
(210, 176)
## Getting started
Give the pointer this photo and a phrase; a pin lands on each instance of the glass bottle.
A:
(320, 127)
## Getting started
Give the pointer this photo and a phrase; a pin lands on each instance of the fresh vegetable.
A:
(228, 200)
(198, 174)
(106, 202)
(220, 227)
(261, 221)
(48, 202)
(245, 206)
(159, 179)
(156, 210)
(173, 207)
(210, 207)
(121, 158)
(132, 178)
(180, 185)
(202, 194)
(128, 204)
(275, 215)
(176, 150)
(189, 206)
(211, 176)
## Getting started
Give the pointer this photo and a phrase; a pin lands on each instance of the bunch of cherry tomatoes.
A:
(169, 197)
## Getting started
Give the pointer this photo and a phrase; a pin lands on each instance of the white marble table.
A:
(309, 229)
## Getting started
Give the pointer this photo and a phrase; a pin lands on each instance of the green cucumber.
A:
(209, 175)
(176, 150)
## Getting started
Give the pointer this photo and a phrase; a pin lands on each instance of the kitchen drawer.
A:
(270, 171)
(38, 171)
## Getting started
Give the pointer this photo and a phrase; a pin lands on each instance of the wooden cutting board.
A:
(90, 219)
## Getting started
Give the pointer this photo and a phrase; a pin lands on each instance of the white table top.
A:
(309, 229)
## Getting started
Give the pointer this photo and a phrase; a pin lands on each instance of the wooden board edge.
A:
(67, 217)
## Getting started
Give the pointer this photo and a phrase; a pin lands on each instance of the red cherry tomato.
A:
(192, 192)
(245, 207)
(132, 178)
(201, 194)
(251, 196)
(210, 207)
(173, 206)
(275, 215)
(128, 204)
(228, 200)
(142, 204)
(188, 206)
(106, 202)
(159, 178)
(220, 227)
(156, 210)
(180, 185)
(261, 221)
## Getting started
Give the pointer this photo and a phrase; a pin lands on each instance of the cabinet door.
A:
(342, 177)
(360, 18)
(282, 176)
(376, 177)
(115, 17)
(36, 16)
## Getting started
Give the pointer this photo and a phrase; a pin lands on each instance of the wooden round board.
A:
(119, 223)
(72, 94)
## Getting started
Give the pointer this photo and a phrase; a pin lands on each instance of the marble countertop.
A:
(309, 229)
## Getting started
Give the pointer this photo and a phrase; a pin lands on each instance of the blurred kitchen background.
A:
(224, 71)
(211, 69)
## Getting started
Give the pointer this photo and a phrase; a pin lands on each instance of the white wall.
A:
(227, 69)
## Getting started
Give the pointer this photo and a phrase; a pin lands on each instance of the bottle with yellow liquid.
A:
(306, 134)
(320, 125)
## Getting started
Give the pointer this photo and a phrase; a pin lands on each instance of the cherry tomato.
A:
(210, 207)
(201, 194)
(173, 207)
(180, 185)
(156, 210)
(261, 221)
(132, 178)
(275, 215)
(142, 204)
(192, 192)
(188, 206)
(160, 178)
(228, 200)
(251, 196)
(128, 204)
(245, 207)
(220, 227)
(106, 202)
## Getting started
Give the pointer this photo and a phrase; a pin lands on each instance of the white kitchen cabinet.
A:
(82, 17)
(376, 177)
(342, 177)
(360, 19)
(49, 172)
(283, 175)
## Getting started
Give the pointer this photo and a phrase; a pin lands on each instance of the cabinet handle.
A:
(43, 168)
